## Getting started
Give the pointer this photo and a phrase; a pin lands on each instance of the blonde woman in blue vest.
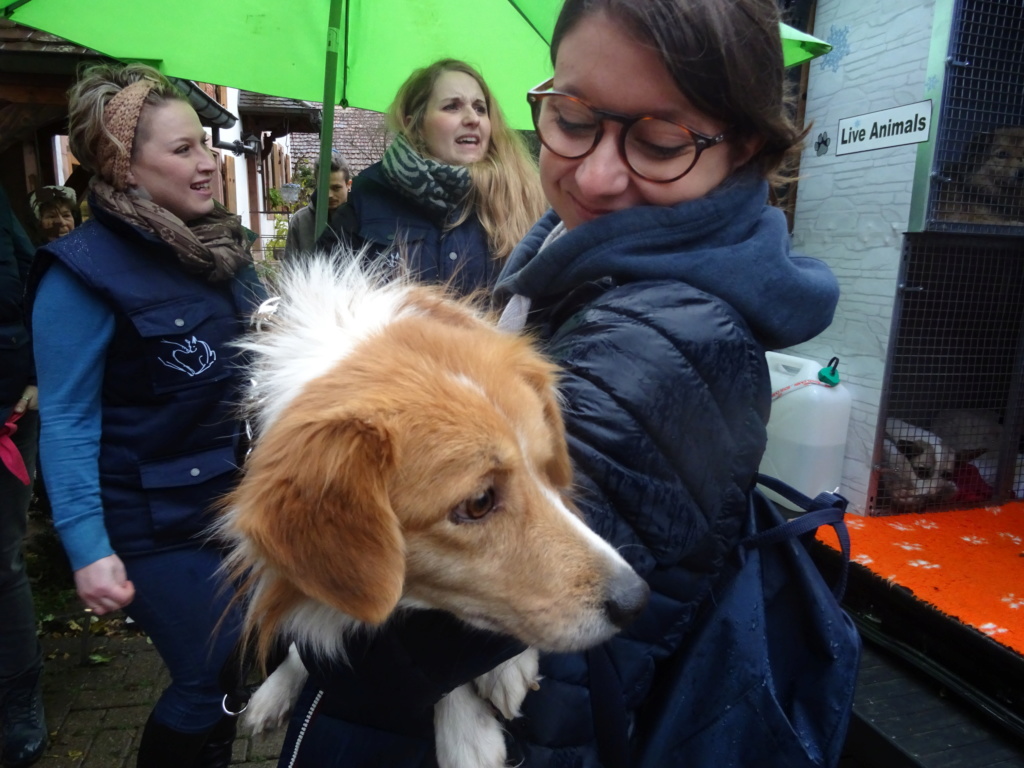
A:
(134, 314)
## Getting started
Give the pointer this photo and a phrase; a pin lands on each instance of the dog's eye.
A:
(476, 508)
(1002, 154)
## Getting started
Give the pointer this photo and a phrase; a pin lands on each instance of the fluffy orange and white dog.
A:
(410, 454)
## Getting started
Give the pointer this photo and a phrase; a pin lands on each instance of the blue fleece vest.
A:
(169, 387)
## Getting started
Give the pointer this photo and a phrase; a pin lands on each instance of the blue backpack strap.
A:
(791, 651)
(824, 509)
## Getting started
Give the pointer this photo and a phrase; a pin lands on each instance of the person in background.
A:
(134, 315)
(54, 210)
(21, 658)
(656, 283)
(302, 224)
(455, 190)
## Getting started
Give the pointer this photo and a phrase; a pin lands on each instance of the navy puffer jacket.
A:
(667, 398)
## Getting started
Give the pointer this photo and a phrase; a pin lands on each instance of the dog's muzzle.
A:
(627, 597)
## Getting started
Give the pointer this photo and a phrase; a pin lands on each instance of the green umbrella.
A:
(797, 46)
(353, 53)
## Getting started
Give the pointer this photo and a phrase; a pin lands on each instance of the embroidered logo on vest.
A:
(191, 357)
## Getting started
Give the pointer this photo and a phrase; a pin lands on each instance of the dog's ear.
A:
(313, 503)
(969, 455)
(543, 380)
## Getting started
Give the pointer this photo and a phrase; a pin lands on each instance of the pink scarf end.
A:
(10, 456)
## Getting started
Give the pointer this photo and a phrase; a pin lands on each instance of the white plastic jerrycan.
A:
(809, 422)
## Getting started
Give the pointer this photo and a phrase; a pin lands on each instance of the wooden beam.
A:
(19, 121)
(254, 197)
(33, 94)
(33, 180)
(230, 187)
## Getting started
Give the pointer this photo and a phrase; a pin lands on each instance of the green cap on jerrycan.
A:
(830, 374)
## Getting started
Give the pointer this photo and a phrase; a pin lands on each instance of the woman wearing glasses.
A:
(657, 281)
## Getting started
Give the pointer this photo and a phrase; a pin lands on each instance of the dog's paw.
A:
(265, 712)
(467, 734)
(272, 703)
(507, 684)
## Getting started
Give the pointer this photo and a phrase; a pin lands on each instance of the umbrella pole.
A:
(327, 113)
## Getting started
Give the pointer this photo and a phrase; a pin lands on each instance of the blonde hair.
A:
(88, 97)
(507, 196)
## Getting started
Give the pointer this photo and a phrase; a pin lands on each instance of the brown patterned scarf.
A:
(213, 246)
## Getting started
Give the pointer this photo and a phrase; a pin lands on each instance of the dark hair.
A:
(725, 56)
(337, 164)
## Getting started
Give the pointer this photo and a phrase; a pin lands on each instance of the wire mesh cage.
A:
(978, 179)
(954, 408)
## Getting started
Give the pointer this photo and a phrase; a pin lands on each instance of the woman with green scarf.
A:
(455, 190)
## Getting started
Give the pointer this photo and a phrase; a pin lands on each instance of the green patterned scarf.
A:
(436, 186)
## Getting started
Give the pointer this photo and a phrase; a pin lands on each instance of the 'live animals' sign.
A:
(908, 124)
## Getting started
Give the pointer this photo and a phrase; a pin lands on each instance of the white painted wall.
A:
(60, 172)
(852, 210)
(242, 180)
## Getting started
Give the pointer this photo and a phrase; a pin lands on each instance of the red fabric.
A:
(971, 488)
(10, 456)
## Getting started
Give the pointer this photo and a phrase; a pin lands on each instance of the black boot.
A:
(162, 747)
(216, 753)
(25, 736)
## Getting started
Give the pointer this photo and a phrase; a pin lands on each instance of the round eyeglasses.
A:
(655, 149)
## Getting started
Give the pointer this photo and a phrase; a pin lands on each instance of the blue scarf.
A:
(729, 243)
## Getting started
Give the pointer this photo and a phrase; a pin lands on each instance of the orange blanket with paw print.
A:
(969, 564)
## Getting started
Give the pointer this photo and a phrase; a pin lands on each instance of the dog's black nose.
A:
(627, 596)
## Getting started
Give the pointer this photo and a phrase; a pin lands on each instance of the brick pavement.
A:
(95, 710)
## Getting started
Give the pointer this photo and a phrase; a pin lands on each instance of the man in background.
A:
(301, 227)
